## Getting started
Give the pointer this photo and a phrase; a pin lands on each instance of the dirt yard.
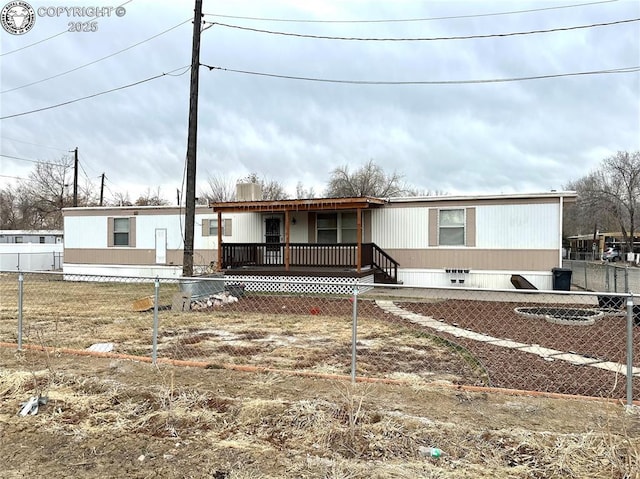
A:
(113, 417)
(116, 418)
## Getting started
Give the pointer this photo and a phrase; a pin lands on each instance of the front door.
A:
(161, 246)
(273, 253)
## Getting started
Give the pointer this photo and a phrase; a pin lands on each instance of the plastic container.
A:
(561, 279)
(433, 452)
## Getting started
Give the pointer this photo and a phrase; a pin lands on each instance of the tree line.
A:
(608, 200)
(37, 201)
(608, 197)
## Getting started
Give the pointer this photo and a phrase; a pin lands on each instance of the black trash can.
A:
(561, 279)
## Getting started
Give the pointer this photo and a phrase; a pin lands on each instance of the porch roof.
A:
(312, 204)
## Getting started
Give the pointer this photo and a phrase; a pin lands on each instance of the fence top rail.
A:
(404, 288)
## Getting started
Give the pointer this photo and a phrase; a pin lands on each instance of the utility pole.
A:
(192, 145)
(102, 189)
(75, 178)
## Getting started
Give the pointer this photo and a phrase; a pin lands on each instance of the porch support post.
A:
(359, 235)
(287, 233)
(219, 263)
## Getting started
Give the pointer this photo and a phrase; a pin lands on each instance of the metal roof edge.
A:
(515, 196)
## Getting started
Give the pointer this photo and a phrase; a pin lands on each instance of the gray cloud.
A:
(491, 138)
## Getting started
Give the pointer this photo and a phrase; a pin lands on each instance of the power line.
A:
(13, 177)
(98, 60)
(35, 144)
(84, 172)
(187, 67)
(51, 37)
(437, 82)
(406, 20)
(81, 161)
(424, 39)
(29, 160)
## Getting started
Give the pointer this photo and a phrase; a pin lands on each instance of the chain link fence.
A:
(578, 343)
(607, 277)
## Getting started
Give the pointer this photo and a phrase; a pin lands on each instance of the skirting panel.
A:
(299, 284)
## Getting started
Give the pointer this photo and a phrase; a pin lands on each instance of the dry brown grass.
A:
(114, 418)
(280, 427)
(274, 334)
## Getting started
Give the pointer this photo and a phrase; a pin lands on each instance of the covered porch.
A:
(319, 255)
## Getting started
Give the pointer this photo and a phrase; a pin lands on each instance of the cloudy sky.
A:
(448, 129)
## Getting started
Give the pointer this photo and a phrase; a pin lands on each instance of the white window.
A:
(213, 227)
(121, 231)
(348, 228)
(451, 225)
(327, 225)
(335, 228)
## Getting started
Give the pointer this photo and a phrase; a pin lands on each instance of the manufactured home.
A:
(31, 250)
(475, 241)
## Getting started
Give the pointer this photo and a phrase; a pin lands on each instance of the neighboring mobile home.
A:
(475, 241)
(31, 250)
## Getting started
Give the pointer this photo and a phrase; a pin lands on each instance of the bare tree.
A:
(610, 196)
(120, 199)
(273, 190)
(302, 192)
(150, 198)
(368, 180)
(48, 191)
(220, 189)
(10, 218)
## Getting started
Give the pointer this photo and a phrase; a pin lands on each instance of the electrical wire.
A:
(84, 172)
(406, 20)
(436, 82)
(53, 36)
(98, 60)
(98, 94)
(13, 177)
(35, 144)
(29, 160)
(424, 39)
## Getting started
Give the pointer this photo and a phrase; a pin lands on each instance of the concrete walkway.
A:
(545, 353)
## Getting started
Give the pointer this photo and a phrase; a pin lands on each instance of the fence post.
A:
(626, 278)
(630, 350)
(154, 350)
(586, 268)
(354, 333)
(20, 292)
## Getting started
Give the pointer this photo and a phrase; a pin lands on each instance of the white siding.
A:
(91, 231)
(146, 230)
(85, 232)
(518, 226)
(247, 228)
(400, 227)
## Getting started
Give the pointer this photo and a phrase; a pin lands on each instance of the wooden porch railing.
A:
(344, 255)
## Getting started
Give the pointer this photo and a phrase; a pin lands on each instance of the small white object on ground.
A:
(101, 347)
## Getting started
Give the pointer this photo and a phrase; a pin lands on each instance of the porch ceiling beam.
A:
(329, 204)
